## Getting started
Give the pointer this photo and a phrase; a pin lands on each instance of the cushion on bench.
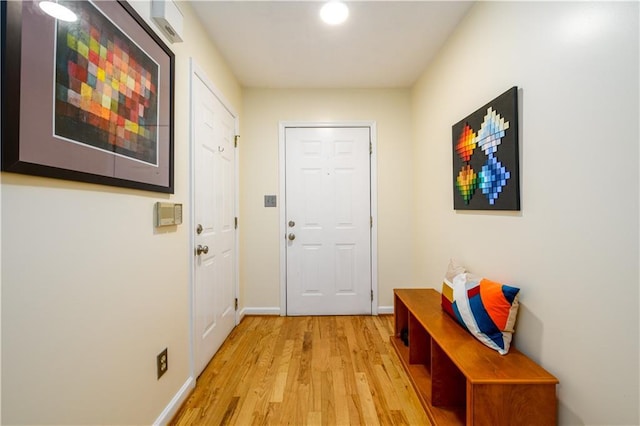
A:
(485, 308)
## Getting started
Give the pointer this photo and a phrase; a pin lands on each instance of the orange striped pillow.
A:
(485, 308)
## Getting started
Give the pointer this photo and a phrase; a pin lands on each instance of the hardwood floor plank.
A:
(314, 418)
(191, 416)
(389, 396)
(327, 403)
(368, 409)
(304, 371)
(283, 372)
(339, 391)
(403, 389)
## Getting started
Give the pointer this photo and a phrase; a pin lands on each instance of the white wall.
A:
(260, 242)
(573, 248)
(91, 292)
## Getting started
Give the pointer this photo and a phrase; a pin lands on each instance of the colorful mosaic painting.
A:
(106, 87)
(485, 157)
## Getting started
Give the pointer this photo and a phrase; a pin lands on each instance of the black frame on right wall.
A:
(486, 174)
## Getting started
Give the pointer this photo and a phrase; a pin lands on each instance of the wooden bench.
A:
(461, 381)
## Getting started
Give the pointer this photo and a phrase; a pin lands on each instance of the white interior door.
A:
(214, 213)
(328, 213)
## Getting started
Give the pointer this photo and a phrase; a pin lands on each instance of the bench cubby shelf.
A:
(461, 381)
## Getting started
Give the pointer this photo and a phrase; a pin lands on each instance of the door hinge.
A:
(236, 303)
(370, 148)
(370, 221)
(235, 222)
(236, 138)
(372, 295)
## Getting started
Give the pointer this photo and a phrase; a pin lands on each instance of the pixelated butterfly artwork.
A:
(106, 88)
(485, 157)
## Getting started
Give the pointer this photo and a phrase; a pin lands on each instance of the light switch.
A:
(269, 200)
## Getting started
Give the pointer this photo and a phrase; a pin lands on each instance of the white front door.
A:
(328, 214)
(214, 214)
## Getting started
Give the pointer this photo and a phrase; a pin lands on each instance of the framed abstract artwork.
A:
(485, 157)
(90, 100)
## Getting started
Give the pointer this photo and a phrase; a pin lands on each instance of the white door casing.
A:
(214, 205)
(328, 212)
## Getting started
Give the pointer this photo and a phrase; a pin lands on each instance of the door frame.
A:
(373, 185)
(197, 72)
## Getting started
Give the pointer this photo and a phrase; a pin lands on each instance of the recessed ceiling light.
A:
(334, 13)
(58, 11)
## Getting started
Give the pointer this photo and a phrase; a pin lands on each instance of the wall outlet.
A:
(162, 362)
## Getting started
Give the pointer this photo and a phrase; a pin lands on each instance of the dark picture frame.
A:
(90, 101)
(486, 171)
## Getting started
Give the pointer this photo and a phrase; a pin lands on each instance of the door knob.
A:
(292, 237)
(292, 224)
(199, 229)
(202, 249)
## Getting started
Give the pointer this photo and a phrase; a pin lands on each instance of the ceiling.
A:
(284, 44)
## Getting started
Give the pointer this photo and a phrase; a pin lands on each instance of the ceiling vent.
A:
(168, 18)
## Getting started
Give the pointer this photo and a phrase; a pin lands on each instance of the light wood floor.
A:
(305, 371)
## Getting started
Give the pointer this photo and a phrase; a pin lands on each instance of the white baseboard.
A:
(383, 310)
(260, 311)
(175, 403)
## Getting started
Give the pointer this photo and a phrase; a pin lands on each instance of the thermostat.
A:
(168, 214)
